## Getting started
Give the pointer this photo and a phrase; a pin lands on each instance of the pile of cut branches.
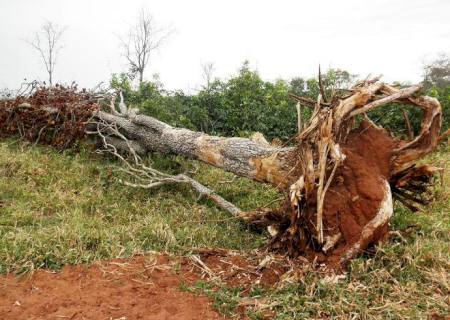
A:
(56, 116)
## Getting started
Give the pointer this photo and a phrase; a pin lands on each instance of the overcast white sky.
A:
(281, 39)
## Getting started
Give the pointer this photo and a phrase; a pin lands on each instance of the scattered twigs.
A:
(142, 175)
(202, 266)
(234, 266)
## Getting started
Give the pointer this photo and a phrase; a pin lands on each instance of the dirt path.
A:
(140, 288)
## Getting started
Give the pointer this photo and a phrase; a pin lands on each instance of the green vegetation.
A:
(238, 106)
(245, 103)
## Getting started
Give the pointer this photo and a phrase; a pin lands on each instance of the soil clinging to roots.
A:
(353, 200)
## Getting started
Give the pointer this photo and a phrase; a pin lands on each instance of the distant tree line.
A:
(245, 103)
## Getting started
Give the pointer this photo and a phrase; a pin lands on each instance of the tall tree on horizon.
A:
(47, 41)
(143, 38)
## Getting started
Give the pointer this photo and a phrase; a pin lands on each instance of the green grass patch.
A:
(68, 208)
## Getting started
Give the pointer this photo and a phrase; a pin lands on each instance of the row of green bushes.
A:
(245, 103)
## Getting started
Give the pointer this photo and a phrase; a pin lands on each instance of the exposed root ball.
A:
(352, 201)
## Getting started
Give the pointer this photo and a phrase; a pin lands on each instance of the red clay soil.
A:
(244, 271)
(139, 288)
(358, 189)
(353, 199)
(144, 287)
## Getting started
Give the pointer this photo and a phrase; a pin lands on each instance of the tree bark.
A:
(244, 157)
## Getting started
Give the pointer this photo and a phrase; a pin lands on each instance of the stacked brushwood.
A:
(56, 116)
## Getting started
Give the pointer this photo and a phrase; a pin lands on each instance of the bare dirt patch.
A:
(138, 288)
(236, 269)
(145, 287)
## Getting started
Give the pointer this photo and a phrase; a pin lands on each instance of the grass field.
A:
(68, 208)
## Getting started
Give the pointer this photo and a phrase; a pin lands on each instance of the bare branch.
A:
(407, 92)
(408, 125)
(322, 90)
(144, 176)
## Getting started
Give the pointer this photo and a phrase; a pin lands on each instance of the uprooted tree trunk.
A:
(339, 178)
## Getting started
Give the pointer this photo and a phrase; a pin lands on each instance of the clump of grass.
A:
(68, 208)
(225, 300)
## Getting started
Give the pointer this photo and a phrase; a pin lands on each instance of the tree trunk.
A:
(244, 157)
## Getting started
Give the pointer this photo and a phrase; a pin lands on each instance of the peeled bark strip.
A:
(382, 217)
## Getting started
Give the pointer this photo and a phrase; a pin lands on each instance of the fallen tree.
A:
(339, 175)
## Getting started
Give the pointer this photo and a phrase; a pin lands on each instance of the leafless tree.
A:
(207, 73)
(47, 41)
(143, 38)
(437, 71)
